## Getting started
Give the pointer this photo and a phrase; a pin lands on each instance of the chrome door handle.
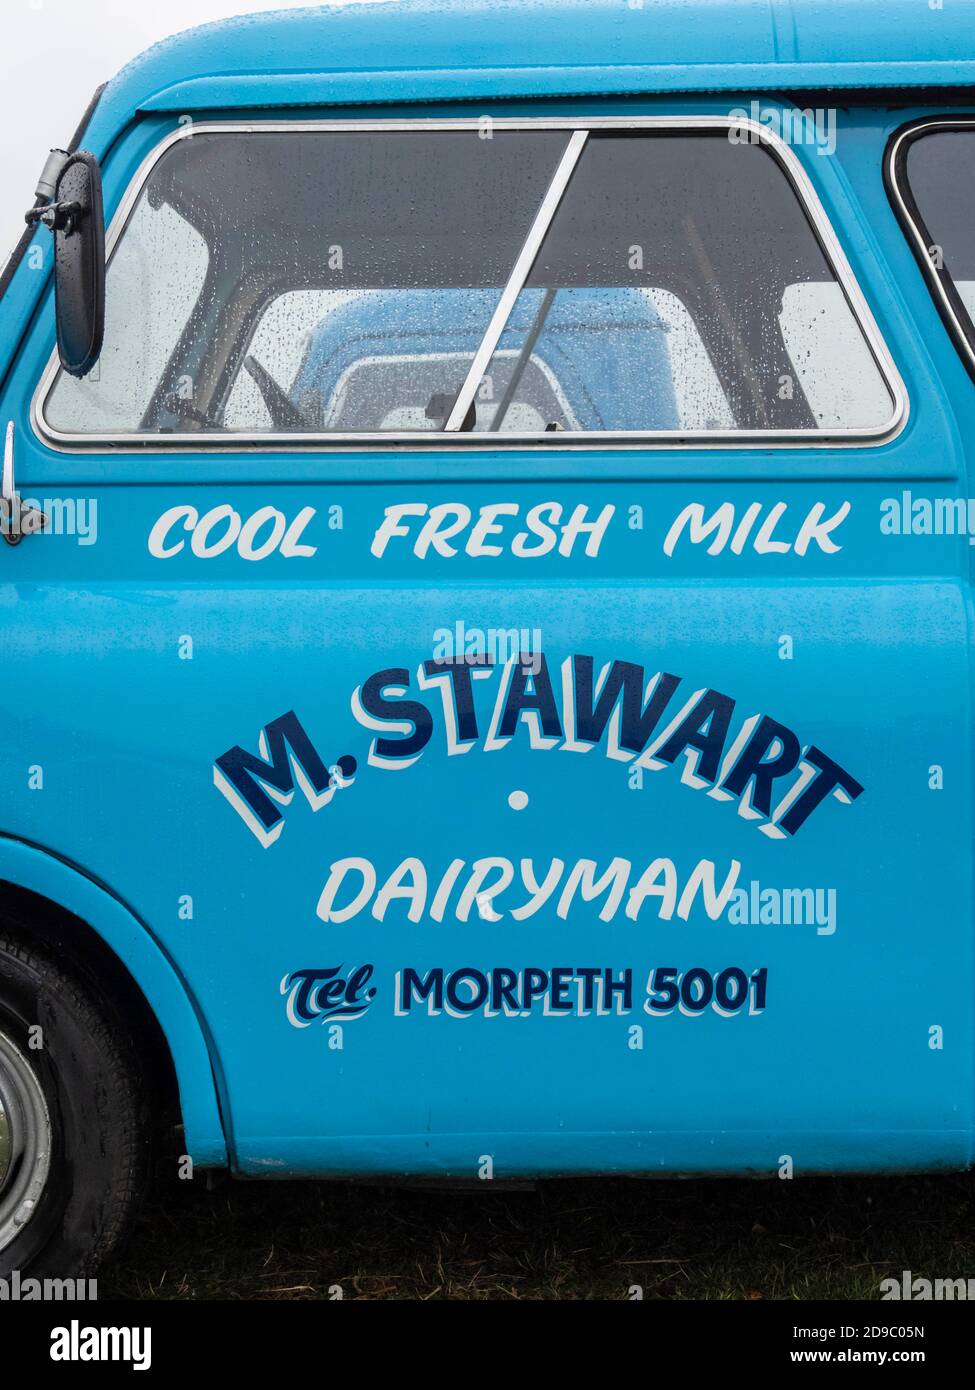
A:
(16, 519)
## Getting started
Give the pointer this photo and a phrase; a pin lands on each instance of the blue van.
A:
(570, 407)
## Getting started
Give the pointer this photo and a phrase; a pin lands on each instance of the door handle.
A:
(16, 519)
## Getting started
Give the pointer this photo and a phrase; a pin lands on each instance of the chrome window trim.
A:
(524, 261)
(424, 441)
(962, 336)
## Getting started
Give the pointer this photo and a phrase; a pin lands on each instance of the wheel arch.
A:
(118, 953)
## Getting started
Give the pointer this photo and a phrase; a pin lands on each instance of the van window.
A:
(378, 387)
(158, 273)
(323, 246)
(340, 283)
(934, 176)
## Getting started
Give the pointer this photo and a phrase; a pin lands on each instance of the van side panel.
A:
(510, 881)
(169, 671)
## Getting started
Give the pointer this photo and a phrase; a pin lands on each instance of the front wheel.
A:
(73, 1138)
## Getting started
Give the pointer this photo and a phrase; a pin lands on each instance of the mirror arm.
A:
(57, 217)
(46, 190)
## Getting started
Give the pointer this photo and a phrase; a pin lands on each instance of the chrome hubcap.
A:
(25, 1141)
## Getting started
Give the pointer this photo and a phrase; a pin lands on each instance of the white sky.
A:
(54, 53)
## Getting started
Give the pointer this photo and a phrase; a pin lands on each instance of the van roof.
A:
(453, 50)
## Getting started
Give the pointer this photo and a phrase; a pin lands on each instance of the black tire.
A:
(88, 1071)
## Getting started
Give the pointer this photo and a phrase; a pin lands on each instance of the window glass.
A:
(342, 282)
(832, 362)
(699, 399)
(966, 289)
(349, 237)
(280, 342)
(717, 227)
(156, 278)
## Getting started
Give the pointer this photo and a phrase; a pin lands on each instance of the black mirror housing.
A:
(78, 224)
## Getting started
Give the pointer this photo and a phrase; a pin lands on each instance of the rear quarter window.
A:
(931, 180)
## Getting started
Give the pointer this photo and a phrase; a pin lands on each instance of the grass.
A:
(822, 1238)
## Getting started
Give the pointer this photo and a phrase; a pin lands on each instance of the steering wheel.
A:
(284, 414)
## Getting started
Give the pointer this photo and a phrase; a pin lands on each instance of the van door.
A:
(489, 680)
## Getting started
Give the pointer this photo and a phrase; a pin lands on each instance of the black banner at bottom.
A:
(313, 1339)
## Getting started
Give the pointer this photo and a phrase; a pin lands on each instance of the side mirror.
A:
(75, 217)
